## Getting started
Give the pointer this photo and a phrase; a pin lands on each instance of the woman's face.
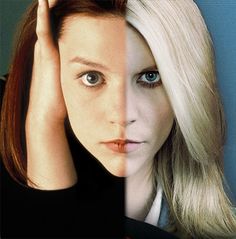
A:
(116, 104)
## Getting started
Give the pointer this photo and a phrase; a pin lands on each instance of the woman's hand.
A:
(46, 99)
(49, 162)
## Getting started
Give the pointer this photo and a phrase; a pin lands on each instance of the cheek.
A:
(80, 105)
(159, 114)
(164, 123)
(164, 114)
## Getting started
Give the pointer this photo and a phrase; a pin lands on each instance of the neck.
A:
(139, 193)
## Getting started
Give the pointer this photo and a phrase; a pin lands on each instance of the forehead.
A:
(93, 37)
(138, 53)
(109, 40)
(85, 24)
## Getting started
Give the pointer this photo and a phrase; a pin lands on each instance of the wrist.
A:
(42, 121)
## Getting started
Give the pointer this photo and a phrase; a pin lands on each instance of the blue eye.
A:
(151, 76)
(150, 79)
(92, 78)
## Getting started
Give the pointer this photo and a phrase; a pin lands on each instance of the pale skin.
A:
(152, 121)
(123, 105)
(117, 105)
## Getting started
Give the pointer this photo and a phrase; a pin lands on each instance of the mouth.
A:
(122, 145)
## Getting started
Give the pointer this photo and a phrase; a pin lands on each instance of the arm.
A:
(49, 161)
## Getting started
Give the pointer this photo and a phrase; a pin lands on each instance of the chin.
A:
(118, 172)
(116, 168)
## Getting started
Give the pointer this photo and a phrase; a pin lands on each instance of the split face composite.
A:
(116, 102)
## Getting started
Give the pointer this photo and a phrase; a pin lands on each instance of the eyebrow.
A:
(87, 62)
(150, 68)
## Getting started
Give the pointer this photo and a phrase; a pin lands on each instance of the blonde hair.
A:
(190, 163)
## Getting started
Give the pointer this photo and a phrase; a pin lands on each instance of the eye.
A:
(151, 76)
(91, 78)
(149, 79)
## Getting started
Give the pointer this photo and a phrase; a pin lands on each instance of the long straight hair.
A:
(189, 166)
(16, 96)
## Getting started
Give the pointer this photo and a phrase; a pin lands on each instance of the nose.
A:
(122, 106)
(131, 103)
(116, 104)
(123, 123)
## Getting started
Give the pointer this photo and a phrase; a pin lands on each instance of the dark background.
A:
(220, 17)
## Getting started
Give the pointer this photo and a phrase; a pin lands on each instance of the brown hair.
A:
(16, 97)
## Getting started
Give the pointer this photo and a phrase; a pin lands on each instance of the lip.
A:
(122, 145)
